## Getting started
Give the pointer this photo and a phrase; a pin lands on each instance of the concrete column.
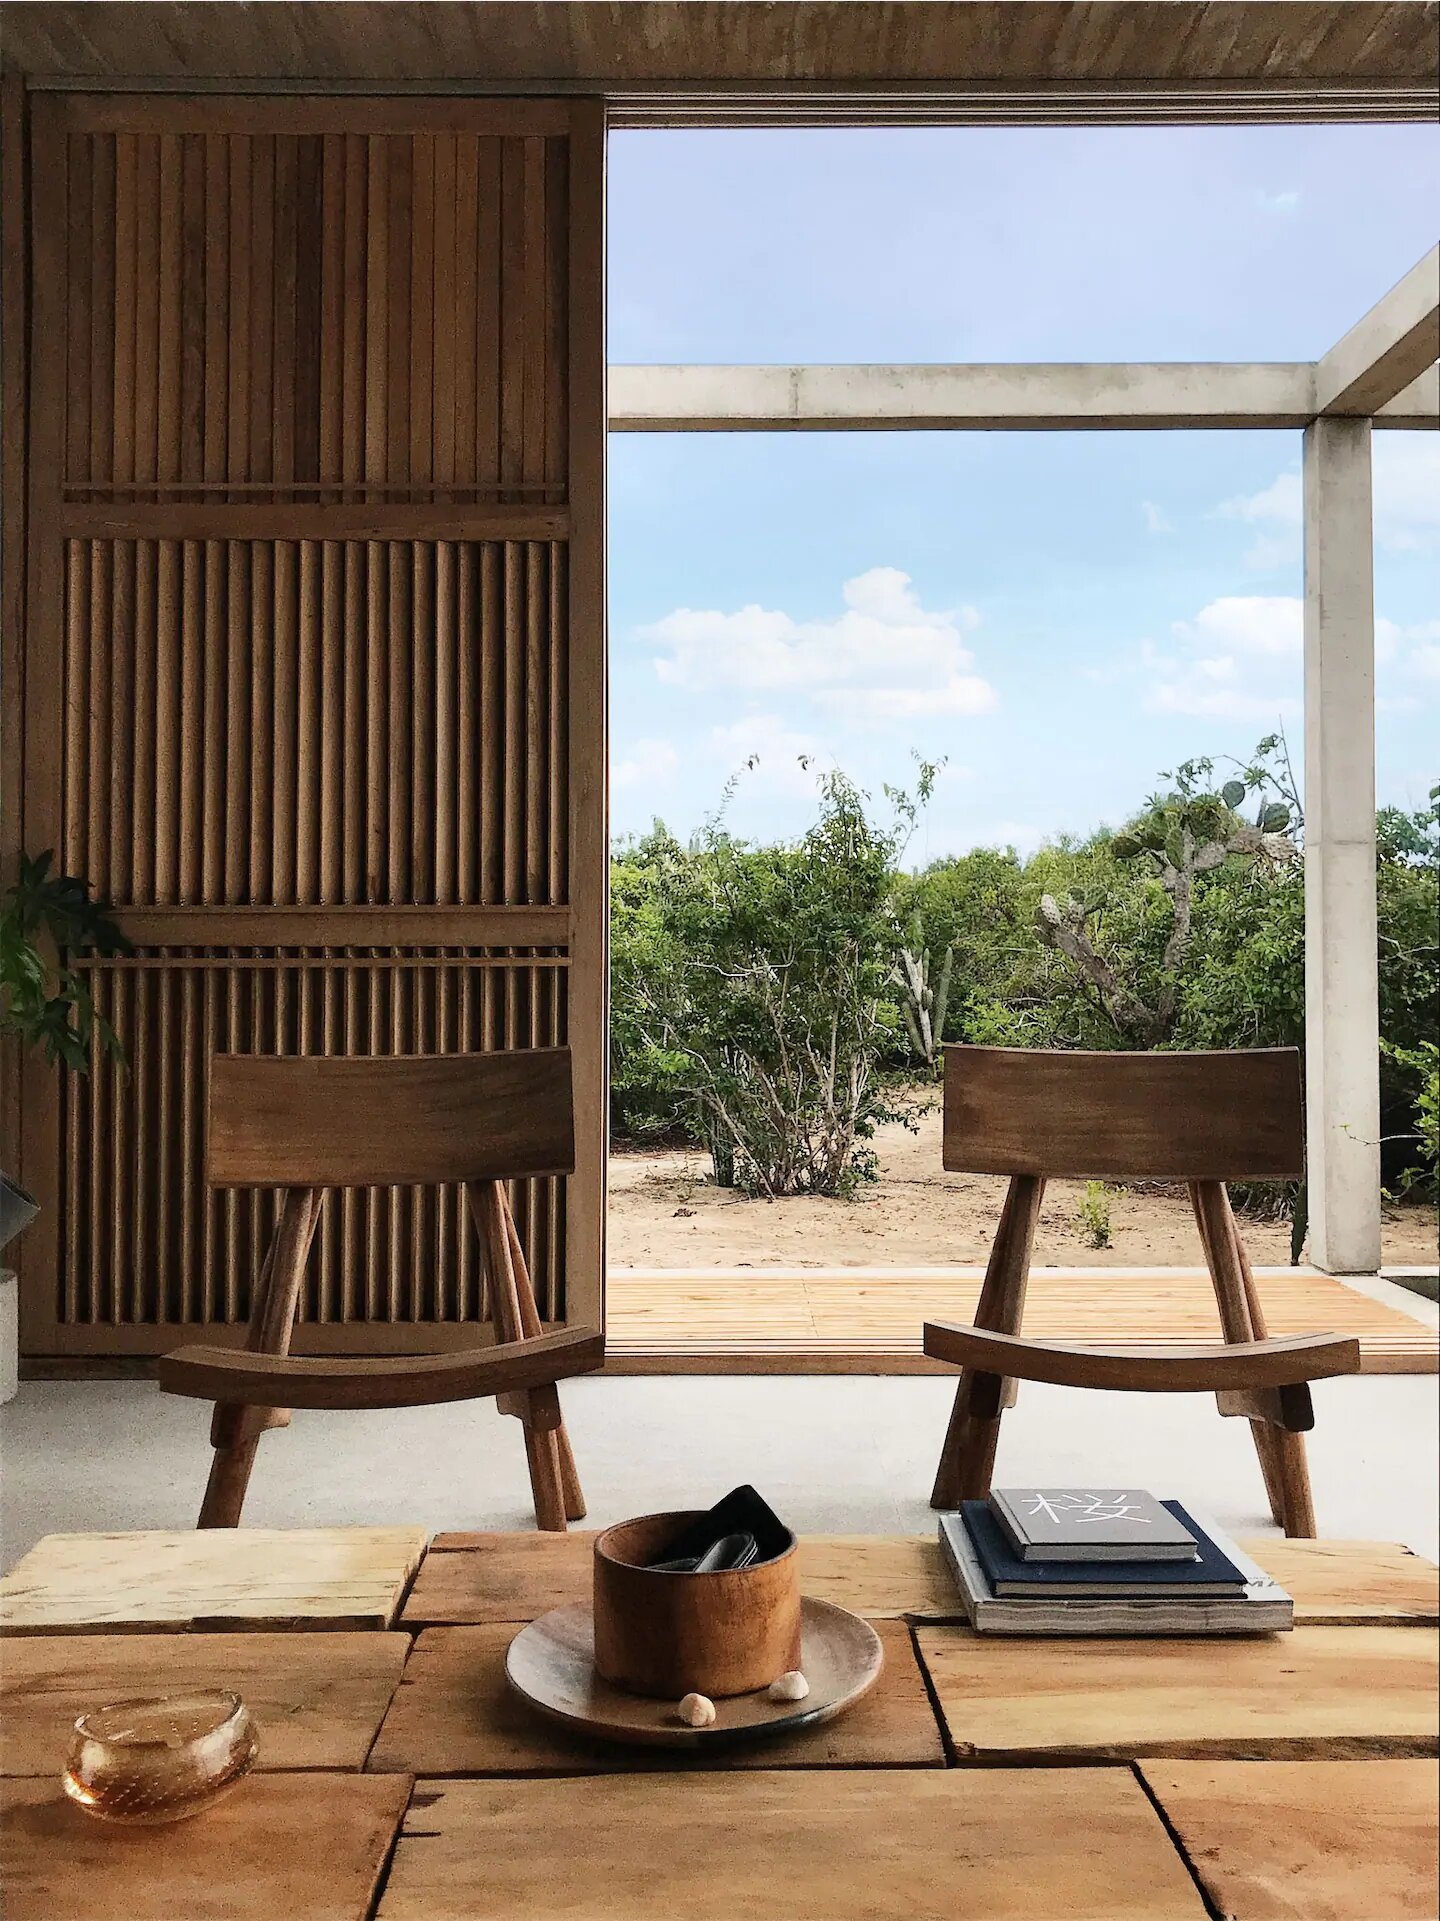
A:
(1342, 1015)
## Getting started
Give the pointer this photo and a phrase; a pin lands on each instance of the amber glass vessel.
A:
(160, 1760)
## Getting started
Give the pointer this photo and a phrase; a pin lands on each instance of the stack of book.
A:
(1044, 1560)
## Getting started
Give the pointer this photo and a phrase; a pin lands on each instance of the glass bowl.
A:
(147, 1762)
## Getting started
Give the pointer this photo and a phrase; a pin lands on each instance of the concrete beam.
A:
(1342, 1017)
(1417, 405)
(740, 399)
(1393, 345)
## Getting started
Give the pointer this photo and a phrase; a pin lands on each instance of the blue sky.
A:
(1057, 616)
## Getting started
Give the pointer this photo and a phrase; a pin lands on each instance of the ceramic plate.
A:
(551, 1664)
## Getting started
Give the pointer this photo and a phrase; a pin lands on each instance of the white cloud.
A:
(1240, 657)
(1407, 491)
(648, 763)
(1276, 512)
(1281, 500)
(1414, 650)
(1406, 470)
(1286, 201)
(1187, 696)
(1264, 624)
(1157, 521)
(785, 759)
(1237, 659)
(962, 694)
(885, 658)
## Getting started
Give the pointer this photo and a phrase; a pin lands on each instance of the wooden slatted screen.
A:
(314, 676)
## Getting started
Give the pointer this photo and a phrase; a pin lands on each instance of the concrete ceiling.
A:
(748, 62)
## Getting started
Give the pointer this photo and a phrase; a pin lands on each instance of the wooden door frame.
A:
(589, 1007)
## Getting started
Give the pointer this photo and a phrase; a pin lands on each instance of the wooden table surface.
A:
(1306, 1840)
(469, 1578)
(320, 1698)
(1079, 1843)
(314, 1577)
(882, 1812)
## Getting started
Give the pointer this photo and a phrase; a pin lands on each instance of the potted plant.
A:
(46, 922)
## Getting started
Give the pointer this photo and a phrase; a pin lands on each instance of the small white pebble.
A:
(696, 1711)
(790, 1687)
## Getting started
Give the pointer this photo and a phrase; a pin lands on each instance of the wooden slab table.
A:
(399, 1779)
(1083, 1843)
(470, 1578)
(313, 1577)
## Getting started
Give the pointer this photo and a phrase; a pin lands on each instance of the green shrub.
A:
(1092, 1216)
(719, 946)
(751, 994)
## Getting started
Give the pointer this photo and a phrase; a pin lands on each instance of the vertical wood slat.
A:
(78, 314)
(193, 316)
(147, 335)
(286, 282)
(168, 313)
(215, 434)
(261, 309)
(122, 429)
(325, 307)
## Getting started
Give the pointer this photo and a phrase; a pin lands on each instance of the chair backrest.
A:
(389, 1121)
(1199, 1117)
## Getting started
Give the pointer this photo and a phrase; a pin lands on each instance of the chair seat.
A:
(271, 1380)
(1192, 1368)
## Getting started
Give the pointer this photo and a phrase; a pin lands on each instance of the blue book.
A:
(1210, 1576)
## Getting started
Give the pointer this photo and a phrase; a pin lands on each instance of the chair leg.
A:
(570, 1488)
(229, 1478)
(1280, 1452)
(554, 1482)
(967, 1458)
(1297, 1505)
(573, 1494)
(946, 1491)
(236, 1429)
(1263, 1434)
(542, 1455)
(967, 1464)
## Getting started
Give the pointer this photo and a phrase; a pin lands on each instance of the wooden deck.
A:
(862, 1320)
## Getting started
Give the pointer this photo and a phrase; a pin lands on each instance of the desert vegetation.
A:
(775, 1004)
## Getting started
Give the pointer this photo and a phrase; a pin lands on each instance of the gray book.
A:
(1264, 1609)
(1090, 1524)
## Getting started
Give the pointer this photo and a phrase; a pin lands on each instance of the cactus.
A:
(922, 1003)
(1180, 835)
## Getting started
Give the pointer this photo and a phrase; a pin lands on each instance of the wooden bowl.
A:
(668, 1635)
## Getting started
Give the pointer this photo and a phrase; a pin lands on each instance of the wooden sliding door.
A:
(313, 667)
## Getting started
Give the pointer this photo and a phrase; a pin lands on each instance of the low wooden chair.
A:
(308, 1125)
(1201, 1118)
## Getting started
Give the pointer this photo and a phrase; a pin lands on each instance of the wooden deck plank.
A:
(305, 1847)
(353, 1577)
(456, 1714)
(317, 1699)
(1356, 1583)
(776, 1845)
(850, 1320)
(1307, 1840)
(1319, 1693)
(470, 1579)
(476, 1578)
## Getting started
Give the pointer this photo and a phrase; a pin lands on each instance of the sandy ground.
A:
(665, 1213)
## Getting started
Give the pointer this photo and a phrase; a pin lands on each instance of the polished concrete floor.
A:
(839, 1454)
